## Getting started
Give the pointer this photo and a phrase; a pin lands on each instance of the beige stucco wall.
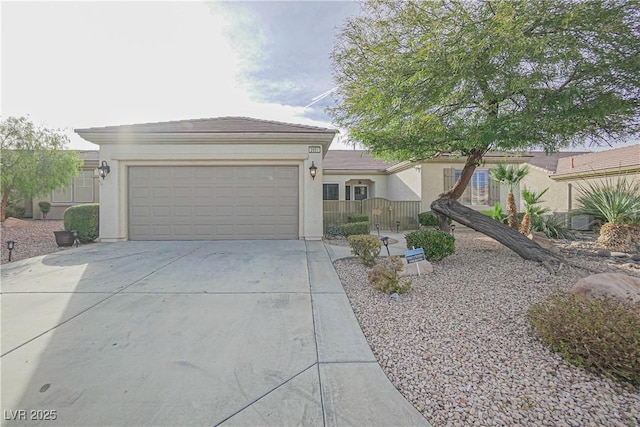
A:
(556, 198)
(113, 189)
(405, 185)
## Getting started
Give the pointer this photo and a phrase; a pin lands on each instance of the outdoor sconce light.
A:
(453, 228)
(104, 169)
(75, 237)
(397, 226)
(378, 228)
(10, 245)
(385, 242)
(313, 169)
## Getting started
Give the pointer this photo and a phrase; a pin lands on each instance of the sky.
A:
(91, 64)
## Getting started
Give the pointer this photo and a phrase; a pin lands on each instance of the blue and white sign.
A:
(414, 255)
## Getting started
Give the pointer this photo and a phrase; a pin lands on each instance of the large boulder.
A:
(14, 222)
(618, 285)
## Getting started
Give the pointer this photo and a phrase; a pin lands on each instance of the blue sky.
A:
(81, 64)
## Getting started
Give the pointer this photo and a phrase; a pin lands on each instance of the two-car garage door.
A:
(213, 202)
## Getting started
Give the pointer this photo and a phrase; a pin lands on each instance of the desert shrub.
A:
(436, 244)
(15, 211)
(615, 202)
(333, 231)
(428, 219)
(351, 218)
(45, 207)
(354, 228)
(365, 246)
(553, 227)
(600, 334)
(84, 219)
(386, 276)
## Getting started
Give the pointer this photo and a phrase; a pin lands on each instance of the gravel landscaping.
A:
(459, 348)
(34, 238)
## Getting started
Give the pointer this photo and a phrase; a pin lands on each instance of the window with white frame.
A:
(477, 191)
(80, 190)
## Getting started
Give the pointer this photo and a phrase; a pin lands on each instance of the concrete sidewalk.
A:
(188, 333)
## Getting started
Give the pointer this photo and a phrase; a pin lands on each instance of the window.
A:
(360, 192)
(80, 190)
(347, 192)
(477, 191)
(330, 192)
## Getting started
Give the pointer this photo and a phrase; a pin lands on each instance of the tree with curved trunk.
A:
(418, 79)
(509, 175)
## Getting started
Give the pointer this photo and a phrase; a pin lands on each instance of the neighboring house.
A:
(83, 188)
(565, 173)
(206, 179)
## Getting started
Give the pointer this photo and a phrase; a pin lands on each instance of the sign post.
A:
(415, 255)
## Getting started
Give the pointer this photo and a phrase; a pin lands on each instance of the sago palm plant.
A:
(617, 205)
(531, 207)
(509, 175)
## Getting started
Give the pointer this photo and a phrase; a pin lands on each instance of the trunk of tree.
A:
(512, 239)
(3, 206)
(526, 224)
(512, 211)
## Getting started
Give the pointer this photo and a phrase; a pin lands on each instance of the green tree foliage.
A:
(33, 160)
(416, 79)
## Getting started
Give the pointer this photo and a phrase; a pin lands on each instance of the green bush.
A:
(428, 219)
(351, 218)
(386, 276)
(600, 334)
(365, 246)
(354, 228)
(333, 231)
(45, 207)
(14, 211)
(436, 244)
(496, 212)
(84, 219)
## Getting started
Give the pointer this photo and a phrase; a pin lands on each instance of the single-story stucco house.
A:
(220, 178)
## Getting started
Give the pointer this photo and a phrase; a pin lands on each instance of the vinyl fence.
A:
(380, 211)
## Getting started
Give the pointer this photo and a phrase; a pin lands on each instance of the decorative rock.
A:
(604, 253)
(619, 254)
(14, 222)
(412, 269)
(616, 285)
(635, 257)
(394, 296)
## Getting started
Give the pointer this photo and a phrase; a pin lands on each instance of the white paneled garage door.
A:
(213, 202)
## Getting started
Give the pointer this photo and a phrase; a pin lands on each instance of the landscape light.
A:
(10, 245)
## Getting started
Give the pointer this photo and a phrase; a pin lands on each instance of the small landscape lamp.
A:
(397, 226)
(313, 169)
(385, 242)
(75, 237)
(104, 169)
(453, 228)
(378, 228)
(10, 245)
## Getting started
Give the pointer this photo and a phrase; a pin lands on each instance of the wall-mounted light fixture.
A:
(313, 169)
(104, 169)
(10, 245)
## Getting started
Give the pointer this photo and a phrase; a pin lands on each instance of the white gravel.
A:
(458, 345)
(34, 239)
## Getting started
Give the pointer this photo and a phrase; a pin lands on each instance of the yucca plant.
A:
(552, 226)
(509, 175)
(617, 205)
(532, 207)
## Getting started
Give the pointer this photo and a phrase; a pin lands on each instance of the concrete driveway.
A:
(188, 333)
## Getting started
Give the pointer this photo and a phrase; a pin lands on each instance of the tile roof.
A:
(549, 162)
(212, 125)
(615, 158)
(353, 160)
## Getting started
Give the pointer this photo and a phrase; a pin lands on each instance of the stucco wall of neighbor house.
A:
(113, 189)
(378, 187)
(598, 181)
(405, 184)
(556, 199)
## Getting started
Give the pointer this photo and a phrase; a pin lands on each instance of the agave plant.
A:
(532, 207)
(510, 175)
(617, 205)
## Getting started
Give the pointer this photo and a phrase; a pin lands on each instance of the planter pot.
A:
(64, 238)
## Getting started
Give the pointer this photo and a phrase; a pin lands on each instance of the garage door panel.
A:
(207, 202)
